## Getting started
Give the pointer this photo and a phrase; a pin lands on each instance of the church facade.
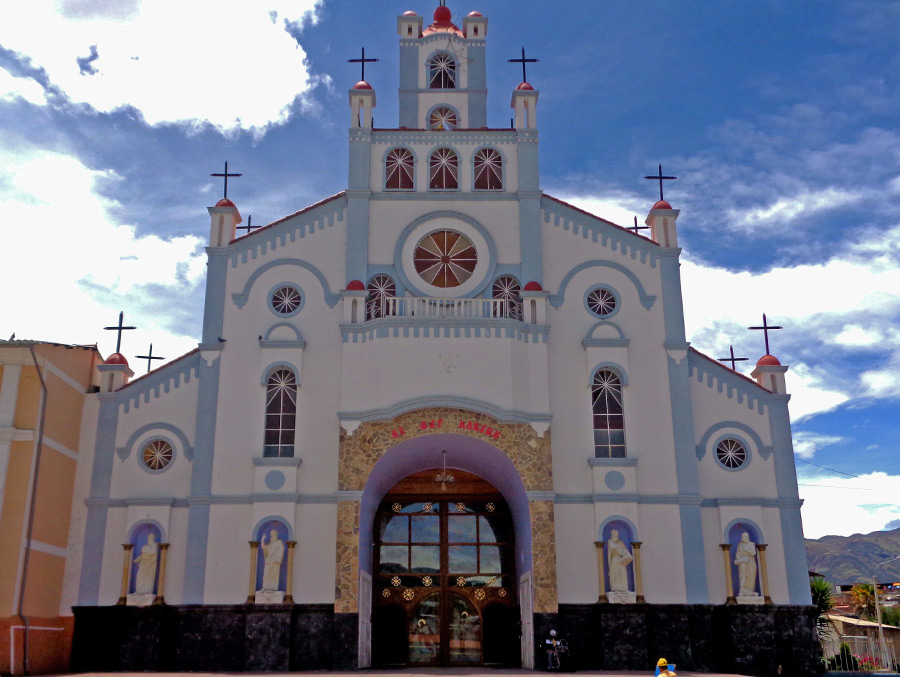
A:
(431, 417)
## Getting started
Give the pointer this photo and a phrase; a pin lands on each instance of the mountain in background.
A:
(852, 559)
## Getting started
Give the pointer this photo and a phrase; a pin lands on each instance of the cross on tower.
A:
(150, 357)
(732, 359)
(226, 175)
(363, 61)
(635, 228)
(249, 228)
(659, 177)
(765, 328)
(119, 328)
(523, 61)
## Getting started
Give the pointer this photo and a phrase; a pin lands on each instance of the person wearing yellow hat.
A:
(662, 668)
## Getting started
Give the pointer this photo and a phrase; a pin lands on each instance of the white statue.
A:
(745, 559)
(146, 570)
(273, 554)
(619, 558)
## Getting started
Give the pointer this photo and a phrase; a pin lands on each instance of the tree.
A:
(823, 600)
(863, 595)
(891, 616)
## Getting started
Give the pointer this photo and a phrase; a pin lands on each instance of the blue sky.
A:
(780, 119)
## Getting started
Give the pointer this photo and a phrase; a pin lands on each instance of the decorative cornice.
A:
(453, 138)
(422, 402)
(426, 327)
(733, 385)
(280, 461)
(612, 462)
(169, 377)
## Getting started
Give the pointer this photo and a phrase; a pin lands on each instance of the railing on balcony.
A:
(443, 308)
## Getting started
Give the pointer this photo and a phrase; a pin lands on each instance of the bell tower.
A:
(443, 82)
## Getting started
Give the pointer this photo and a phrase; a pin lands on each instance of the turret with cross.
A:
(662, 217)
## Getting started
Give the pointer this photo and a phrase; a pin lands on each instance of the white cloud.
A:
(854, 336)
(231, 64)
(807, 443)
(786, 209)
(847, 506)
(71, 254)
(12, 88)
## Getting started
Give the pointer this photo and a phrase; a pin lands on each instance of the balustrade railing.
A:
(488, 309)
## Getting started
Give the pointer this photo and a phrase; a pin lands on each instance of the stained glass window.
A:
(488, 170)
(506, 288)
(157, 455)
(444, 170)
(380, 288)
(609, 422)
(398, 170)
(281, 413)
(443, 119)
(443, 72)
(445, 258)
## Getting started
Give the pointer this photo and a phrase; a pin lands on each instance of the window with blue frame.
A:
(609, 419)
(281, 414)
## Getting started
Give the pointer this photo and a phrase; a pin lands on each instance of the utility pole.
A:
(884, 655)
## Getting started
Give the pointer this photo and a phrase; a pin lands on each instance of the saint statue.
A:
(146, 569)
(273, 554)
(745, 559)
(619, 558)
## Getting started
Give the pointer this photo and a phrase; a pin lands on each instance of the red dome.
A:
(442, 15)
(662, 204)
(225, 202)
(533, 286)
(475, 15)
(362, 84)
(409, 12)
(524, 87)
(116, 358)
(356, 285)
(768, 361)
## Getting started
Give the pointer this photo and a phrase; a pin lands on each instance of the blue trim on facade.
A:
(240, 299)
(477, 82)
(739, 520)
(647, 300)
(531, 247)
(268, 335)
(274, 480)
(162, 380)
(617, 369)
(214, 300)
(281, 285)
(618, 518)
(125, 451)
(273, 518)
(451, 401)
(764, 451)
(392, 327)
(267, 372)
(748, 449)
(137, 525)
(725, 381)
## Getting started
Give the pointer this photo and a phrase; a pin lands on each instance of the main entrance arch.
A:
(444, 579)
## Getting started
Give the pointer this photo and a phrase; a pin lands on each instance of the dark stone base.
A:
(747, 640)
(214, 638)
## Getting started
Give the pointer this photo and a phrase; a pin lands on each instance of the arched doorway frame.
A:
(463, 453)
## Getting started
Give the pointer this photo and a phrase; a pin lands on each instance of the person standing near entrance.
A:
(662, 668)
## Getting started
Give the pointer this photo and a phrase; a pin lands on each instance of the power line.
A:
(828, 486)
(797, 458)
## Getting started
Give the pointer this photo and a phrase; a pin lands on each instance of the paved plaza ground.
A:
(467, 672)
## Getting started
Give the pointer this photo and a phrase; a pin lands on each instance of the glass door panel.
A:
(425, 631)
(465, 632)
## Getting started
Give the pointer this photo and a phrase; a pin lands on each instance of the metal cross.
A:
(362, 60)
(635, 228)
(523, 61)
(249, 228)
(150, 357)
(732, 359)
(766, 327)
(226, 175)
(659, 177)
(119, 328)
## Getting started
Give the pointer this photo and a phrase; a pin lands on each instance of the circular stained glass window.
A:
(445, 258)
(731, 454)
(601, 302)
(286, 300)
(443, 119)
(157, 455)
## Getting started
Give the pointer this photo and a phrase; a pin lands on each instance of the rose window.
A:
(443, 119)
(158, 454)
(443, 170)
(601, 302)
(445, 258)
(731, 454)
(286, 300)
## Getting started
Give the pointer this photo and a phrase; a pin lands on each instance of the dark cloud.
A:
(893, 524)
(84, 62)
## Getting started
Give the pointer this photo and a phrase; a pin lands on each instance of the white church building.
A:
(432, 417)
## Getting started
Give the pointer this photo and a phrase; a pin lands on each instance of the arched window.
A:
(380, 288)
(281, 413)
(609, 423)
(398, 170)
(443, 119)
(488, 170)
(444, 170)
(443, 72)
(506, 289)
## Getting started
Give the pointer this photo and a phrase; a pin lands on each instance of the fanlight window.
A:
(506, 289)
(443, 72)
(445, 258)
(488, 170)
(281, 413)
(609, 422)
(443, 119)
(398, 170)
(380, 288)
(444, 170)
(731, 453)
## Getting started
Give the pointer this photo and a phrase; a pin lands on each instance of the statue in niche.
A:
(618, 558)
(146, 569)
(745, 559)
(273, 554)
